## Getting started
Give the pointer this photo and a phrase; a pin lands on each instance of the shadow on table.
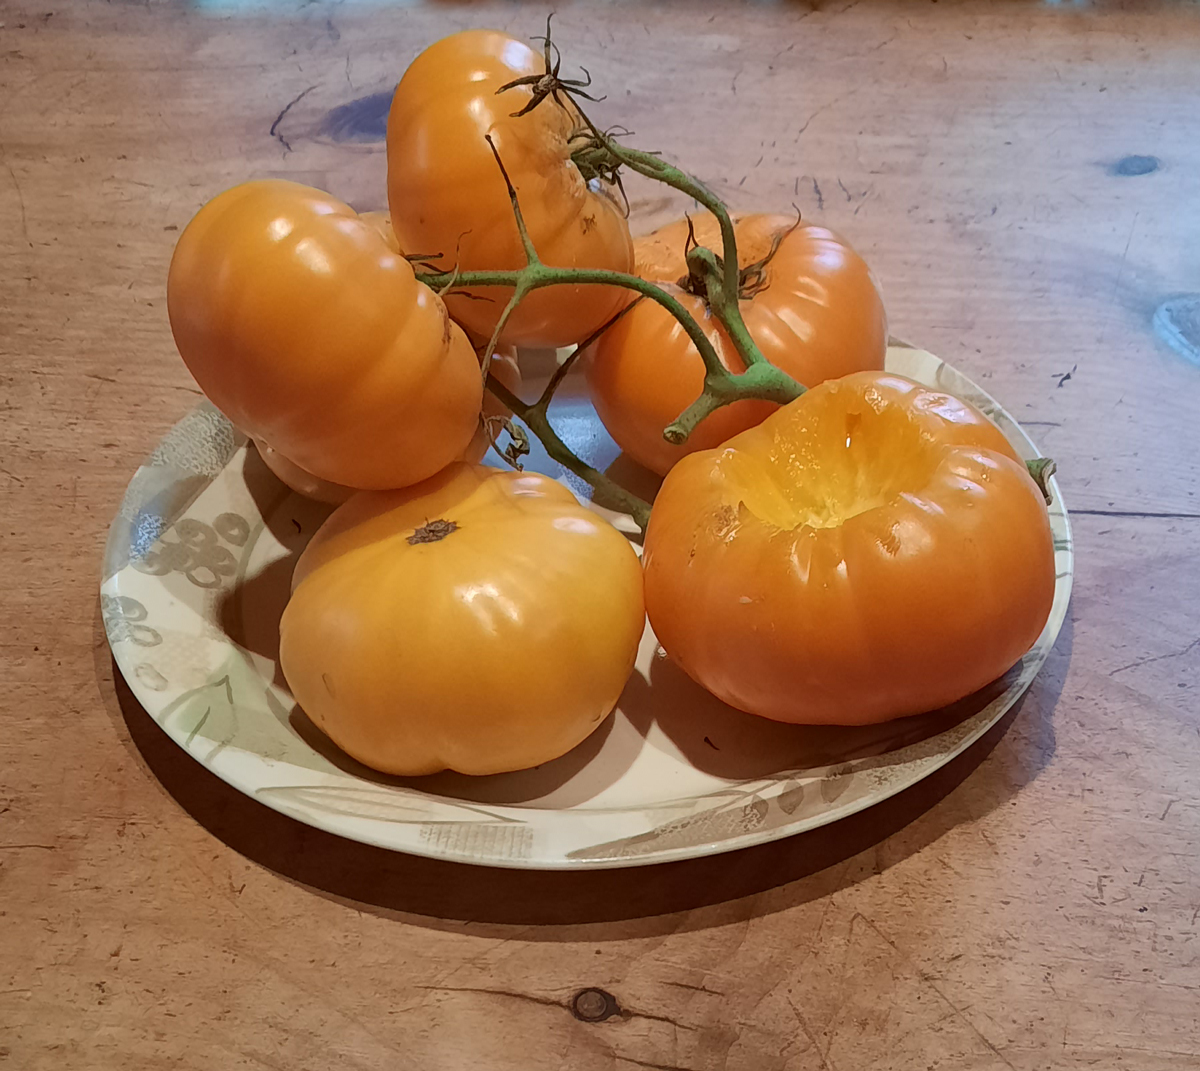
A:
(714, 890)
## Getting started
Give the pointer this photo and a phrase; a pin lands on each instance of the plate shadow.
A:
(607, 904)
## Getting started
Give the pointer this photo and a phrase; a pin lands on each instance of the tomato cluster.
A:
(871, 550)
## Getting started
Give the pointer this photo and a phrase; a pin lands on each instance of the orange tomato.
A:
(482, 621)
(814, 311)
(872, 550)
(304, 325)
(447, 196)
(299, 480)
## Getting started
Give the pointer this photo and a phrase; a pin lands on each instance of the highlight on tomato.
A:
(482, 621)
(872, 550)
(447, 196)
(302, 322)
(808, 299)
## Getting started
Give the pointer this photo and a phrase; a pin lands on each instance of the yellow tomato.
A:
(813, 309)
(447, 196)
(874, 549)
(304, 325)
(300, 481)
(482, 621)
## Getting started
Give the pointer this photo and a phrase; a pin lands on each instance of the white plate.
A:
(196, 574)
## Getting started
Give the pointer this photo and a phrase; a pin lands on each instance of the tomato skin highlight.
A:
(308, 329)
(872, 550)
(819, 316)
(447, 196)
(483, 621)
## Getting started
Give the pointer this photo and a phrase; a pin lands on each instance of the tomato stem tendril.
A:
(1040, 471)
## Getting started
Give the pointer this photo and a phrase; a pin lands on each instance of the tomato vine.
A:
(717, 277)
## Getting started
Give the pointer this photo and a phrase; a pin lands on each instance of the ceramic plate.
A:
(196, 575)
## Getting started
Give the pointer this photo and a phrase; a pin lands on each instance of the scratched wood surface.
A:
(1025, 181)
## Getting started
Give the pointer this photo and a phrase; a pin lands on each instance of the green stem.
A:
(704, 264)
(723, 300)
(565, 366)
(655, 167)
(535, 418)
(536, 275)
(762, 381)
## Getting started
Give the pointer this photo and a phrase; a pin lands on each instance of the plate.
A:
(196, 575)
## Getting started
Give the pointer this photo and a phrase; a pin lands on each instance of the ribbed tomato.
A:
(303, 324)
(482, 621)
(447, 196)
(812, 307)
(874, 549)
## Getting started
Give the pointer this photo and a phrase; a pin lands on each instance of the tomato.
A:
(873, 549)
(482, 621)
(447, 195)
(299, 480)
(814, 311)
(504, 367)
(304, 325)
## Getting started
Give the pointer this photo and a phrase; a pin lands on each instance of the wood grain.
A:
(1036, 907)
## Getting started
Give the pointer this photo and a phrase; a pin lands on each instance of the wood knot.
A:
(594, 1005)
(1133, 166)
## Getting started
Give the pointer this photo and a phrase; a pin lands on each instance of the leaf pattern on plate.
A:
(475, 840)
(124, 619)
(197, 550)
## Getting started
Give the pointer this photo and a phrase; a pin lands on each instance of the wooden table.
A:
(1025, 181)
